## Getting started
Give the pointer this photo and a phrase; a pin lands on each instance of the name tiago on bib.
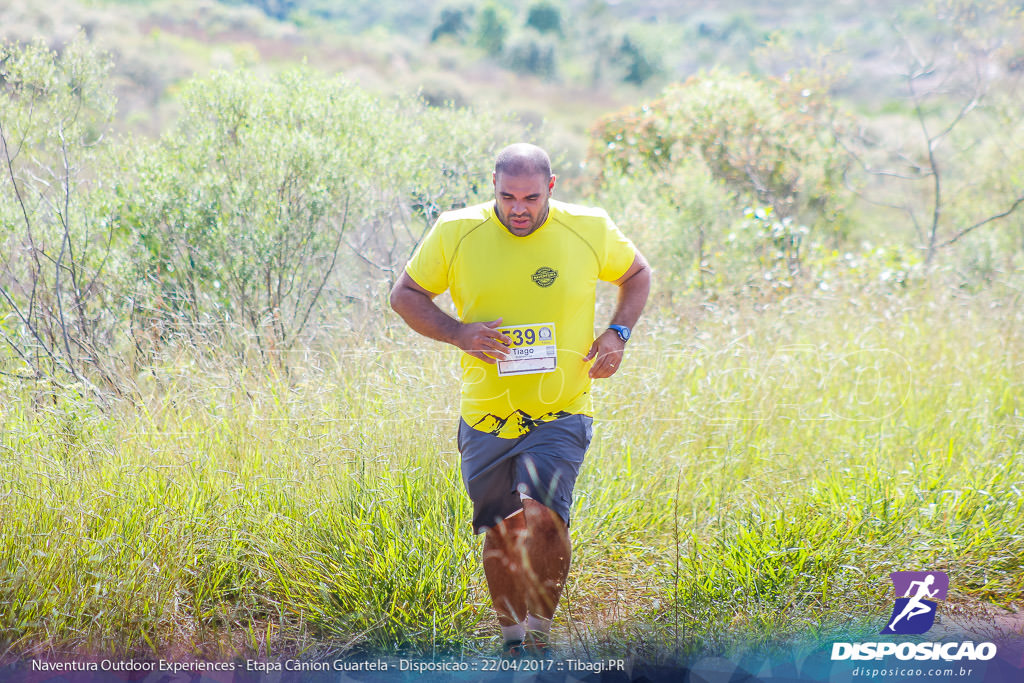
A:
(533, 349)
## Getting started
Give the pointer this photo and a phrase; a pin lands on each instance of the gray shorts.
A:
(542, 464)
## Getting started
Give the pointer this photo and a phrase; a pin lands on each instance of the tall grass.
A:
(755, 475)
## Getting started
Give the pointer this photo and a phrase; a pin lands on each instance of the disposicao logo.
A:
(914, 614)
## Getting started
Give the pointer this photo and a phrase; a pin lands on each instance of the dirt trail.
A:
(983, 622)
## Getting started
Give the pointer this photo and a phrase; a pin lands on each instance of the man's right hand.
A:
(416, 306)
(483, 341)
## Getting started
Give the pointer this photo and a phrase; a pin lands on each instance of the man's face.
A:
(521, 201)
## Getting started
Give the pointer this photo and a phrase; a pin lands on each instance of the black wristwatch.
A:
(621, 330)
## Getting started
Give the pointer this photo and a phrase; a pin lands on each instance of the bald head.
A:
(521, 159)
(522, 186)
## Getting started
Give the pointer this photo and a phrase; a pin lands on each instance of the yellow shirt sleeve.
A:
(619, 253)
(429, 266)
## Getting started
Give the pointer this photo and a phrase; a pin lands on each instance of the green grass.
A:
(755, 475)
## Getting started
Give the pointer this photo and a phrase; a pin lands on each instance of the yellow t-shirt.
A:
(548, 276)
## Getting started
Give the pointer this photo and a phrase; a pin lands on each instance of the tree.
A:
(637, 65)
(492, 26)
(948, 174)
(59, 229)
(531, 53)
(545, 16)
(278, 9)
(454, 22)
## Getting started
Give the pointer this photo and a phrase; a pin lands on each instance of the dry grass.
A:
(730, 499)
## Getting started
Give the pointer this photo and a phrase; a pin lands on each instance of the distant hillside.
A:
(559, 66)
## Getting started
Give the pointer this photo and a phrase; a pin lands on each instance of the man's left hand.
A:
(607, 349)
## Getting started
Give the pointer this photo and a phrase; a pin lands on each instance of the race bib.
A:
(532, 350)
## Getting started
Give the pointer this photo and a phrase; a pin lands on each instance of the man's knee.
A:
(543, 520)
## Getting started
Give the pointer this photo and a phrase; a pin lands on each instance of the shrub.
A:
(492, 25)
(637, 65)
(273, 200)
(711, 147)
(58, 225)
(770, 140)
(530, 52)
(545, 16)
(454, 22)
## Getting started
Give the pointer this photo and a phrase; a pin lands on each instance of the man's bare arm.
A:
(634, 287)
(416, 306)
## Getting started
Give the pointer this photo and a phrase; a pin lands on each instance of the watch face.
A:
(622, 331)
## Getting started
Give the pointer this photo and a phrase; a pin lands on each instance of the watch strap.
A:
(623, 331)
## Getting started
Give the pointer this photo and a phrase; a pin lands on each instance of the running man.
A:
(914, 606)
(522, 273)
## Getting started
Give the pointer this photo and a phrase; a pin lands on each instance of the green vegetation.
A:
(266, 189)
(785, 462)
(216, 441)
(245, 213)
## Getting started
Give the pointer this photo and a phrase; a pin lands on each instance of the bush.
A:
(275, 200)
(772, 141)
(676, 230)
(59, 232)
(275, 209)
(719, 144)
(530, 52)
(492, 24)
(545, 17)
(454, 22)
(638, 67)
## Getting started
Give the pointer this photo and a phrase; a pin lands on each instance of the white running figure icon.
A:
(914, 606)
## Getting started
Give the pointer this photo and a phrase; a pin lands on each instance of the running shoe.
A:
(513, 649)
(537, 645)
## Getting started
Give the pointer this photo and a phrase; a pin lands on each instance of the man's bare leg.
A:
(526, 562)
(503, 566)
(548, 550)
